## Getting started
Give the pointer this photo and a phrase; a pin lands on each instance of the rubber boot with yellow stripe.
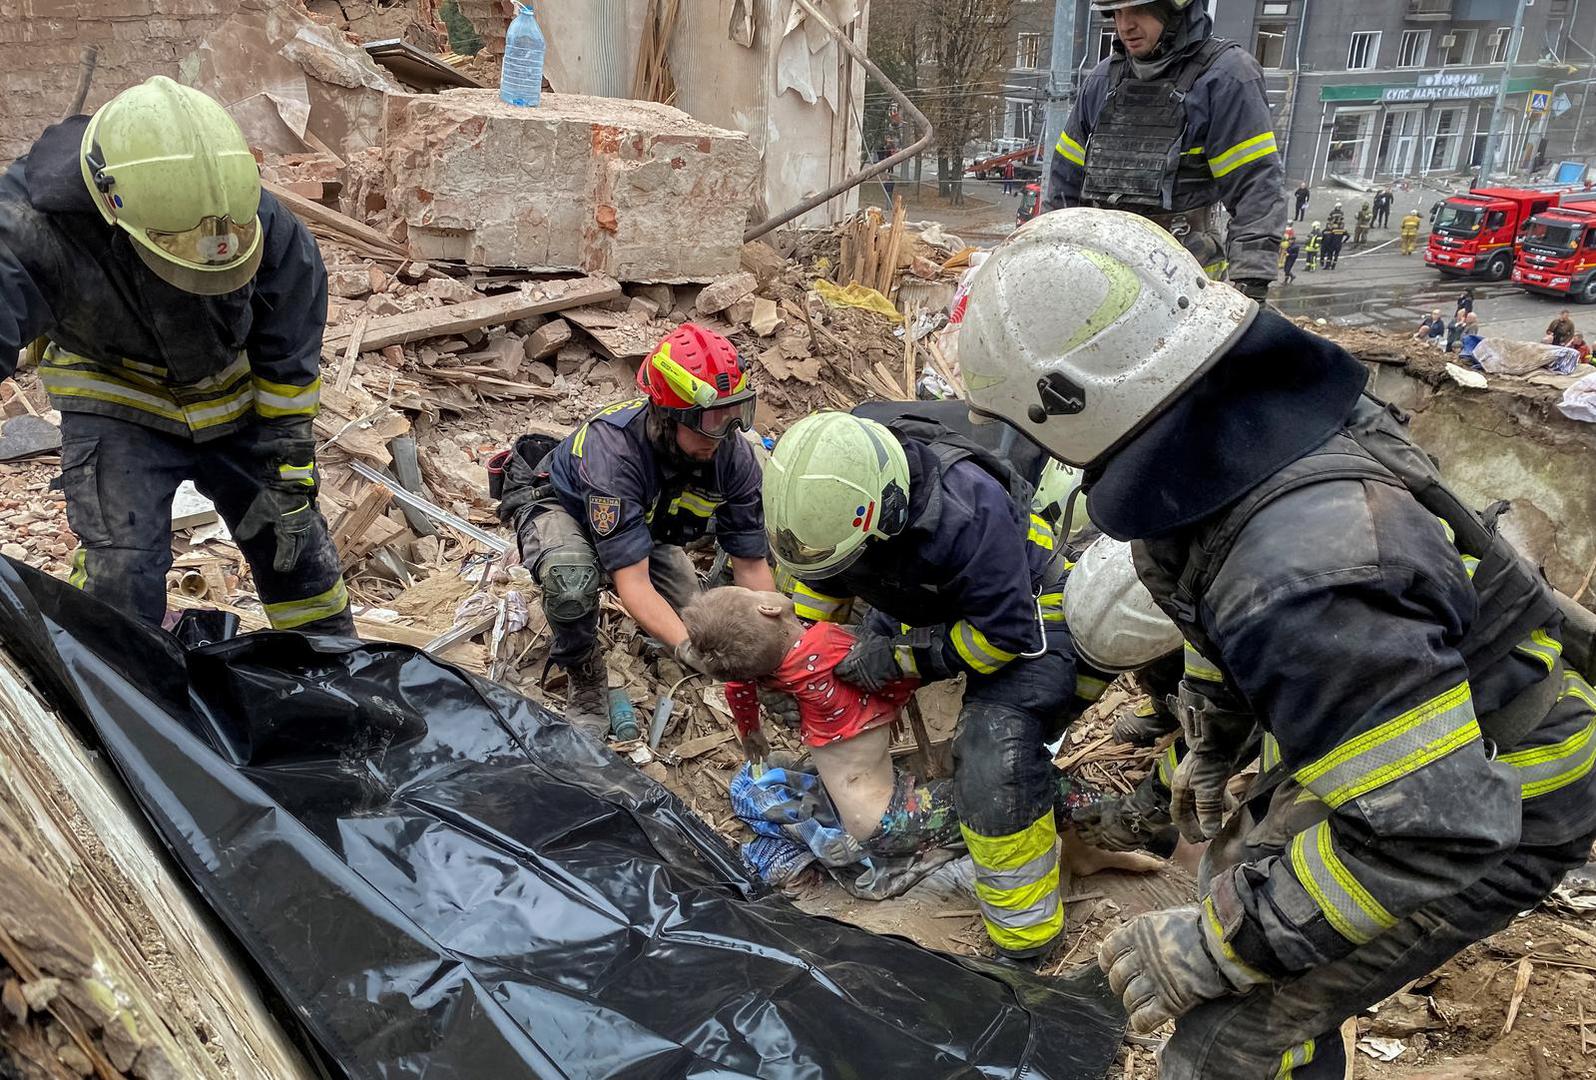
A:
(1016, 885)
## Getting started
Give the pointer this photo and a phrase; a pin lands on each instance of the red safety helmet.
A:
(697, 378)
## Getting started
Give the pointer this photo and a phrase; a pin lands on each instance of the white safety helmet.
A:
(1086, 324)
(1114, 623)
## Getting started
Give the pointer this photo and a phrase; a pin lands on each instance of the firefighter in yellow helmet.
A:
(184, 311)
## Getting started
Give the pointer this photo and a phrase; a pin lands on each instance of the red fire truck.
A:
(1473, 234)
(1557, 253)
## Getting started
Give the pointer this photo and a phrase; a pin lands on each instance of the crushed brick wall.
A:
(41, 40)
(491, 20)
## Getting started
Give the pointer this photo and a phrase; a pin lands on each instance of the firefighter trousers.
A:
(1005, 789)
(119, 478)
(1291, 1029)
(557, 549)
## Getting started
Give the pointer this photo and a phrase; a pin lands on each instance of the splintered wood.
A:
(871, 252)
(106, 947)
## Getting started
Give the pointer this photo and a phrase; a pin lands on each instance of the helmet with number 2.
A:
(168, 166)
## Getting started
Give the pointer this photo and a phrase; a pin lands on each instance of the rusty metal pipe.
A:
(919, 118)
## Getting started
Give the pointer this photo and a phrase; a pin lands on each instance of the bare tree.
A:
(958, 49)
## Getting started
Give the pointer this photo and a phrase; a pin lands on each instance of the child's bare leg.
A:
(857, 773)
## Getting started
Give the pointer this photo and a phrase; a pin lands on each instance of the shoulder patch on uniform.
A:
(603, 513)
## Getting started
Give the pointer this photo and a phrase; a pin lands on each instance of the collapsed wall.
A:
(632, 189)
(41, 42)
(1509, 442)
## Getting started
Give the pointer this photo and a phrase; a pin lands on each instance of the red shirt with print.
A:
(828, 708)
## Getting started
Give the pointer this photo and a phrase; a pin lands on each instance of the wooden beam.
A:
(474, 314)
(310, 211)
(91, 899)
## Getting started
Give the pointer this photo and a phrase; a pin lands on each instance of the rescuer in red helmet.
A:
(622, 494)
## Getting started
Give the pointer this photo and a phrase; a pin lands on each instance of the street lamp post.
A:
(1498, 112)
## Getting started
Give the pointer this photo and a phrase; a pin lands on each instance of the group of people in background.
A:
(1460, 333)
(1323, 244)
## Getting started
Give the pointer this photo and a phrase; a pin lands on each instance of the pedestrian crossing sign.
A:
(1539, 101)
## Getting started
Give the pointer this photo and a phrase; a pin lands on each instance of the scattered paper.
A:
(1382, 1049)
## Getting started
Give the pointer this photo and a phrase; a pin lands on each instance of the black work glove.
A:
(872, 663)
(1253, 288)
(286, 503)
(1218, 742)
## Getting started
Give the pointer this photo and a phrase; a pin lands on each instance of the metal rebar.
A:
(820, 199)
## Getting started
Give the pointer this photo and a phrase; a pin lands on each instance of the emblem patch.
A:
(603, 513)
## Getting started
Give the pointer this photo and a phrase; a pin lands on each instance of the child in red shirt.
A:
(745, 637)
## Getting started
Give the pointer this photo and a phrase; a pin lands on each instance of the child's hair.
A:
(731, 638)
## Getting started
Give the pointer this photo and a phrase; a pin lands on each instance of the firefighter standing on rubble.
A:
(937, 535)
(623, 493)
(184, 310)
(1171, 126)
(1427, 747)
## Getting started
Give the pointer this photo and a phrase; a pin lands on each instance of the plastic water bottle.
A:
(521, 76)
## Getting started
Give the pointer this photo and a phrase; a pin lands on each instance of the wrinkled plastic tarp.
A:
(1579, 400)
(442, 879)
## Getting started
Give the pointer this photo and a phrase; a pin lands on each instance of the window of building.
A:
(1365, 50)
(1497, 44)
(1351, 142)
(1554, 39)
(1447, 139)
(1105, 43)
(1415, 48)
(1029, 51)
(1269, 44)
(1274, 8)
(1457, 48)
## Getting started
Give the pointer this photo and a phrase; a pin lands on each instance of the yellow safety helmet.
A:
(168, 166)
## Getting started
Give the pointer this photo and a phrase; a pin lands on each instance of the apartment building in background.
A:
(1381, 89)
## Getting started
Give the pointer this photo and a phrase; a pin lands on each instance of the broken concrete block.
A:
(642, 306)
(740, 313)
(721, 294)
(634, 189)
(380, 304)
(571, 358)
(663, 297)
(548, 339)
(348, 281)
(766, 319)
(449, 290)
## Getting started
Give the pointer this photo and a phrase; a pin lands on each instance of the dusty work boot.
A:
(1145, 725)
(587, 694)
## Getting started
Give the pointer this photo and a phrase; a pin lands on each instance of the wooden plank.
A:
(309, 211)
(357, 334)
(474, 314)
(889, 266)
(91, 898)
(352, 524)
(471, 657)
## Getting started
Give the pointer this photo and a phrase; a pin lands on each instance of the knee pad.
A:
(570, 583)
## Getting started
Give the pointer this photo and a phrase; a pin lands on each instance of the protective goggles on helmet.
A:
(215, 241)
(719, 420)
(799, 557)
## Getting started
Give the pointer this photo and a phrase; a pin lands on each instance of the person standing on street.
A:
(1301, 197)
(1293, 250)
(1172, 126)
(1382, 208)
(184, 309)
(1335, 237)
(1314, 247)
(1424, 722)
(1008, 178)
(1410, 232)
(1364, 221)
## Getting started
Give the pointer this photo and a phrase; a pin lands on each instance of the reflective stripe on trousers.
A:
(1016, 884)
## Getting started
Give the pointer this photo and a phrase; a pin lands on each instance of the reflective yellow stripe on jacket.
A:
(143, 393)
(976, 650)
(1394, 749)
(1346, 904)
(1072, 151)
(1243, 153)
(817, 606)
(1016, 884)
(1198, 667)
(1544, 769)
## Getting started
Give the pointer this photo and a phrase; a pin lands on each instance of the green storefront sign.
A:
(1374, 93)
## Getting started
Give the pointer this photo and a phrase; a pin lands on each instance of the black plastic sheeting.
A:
(441, 879)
